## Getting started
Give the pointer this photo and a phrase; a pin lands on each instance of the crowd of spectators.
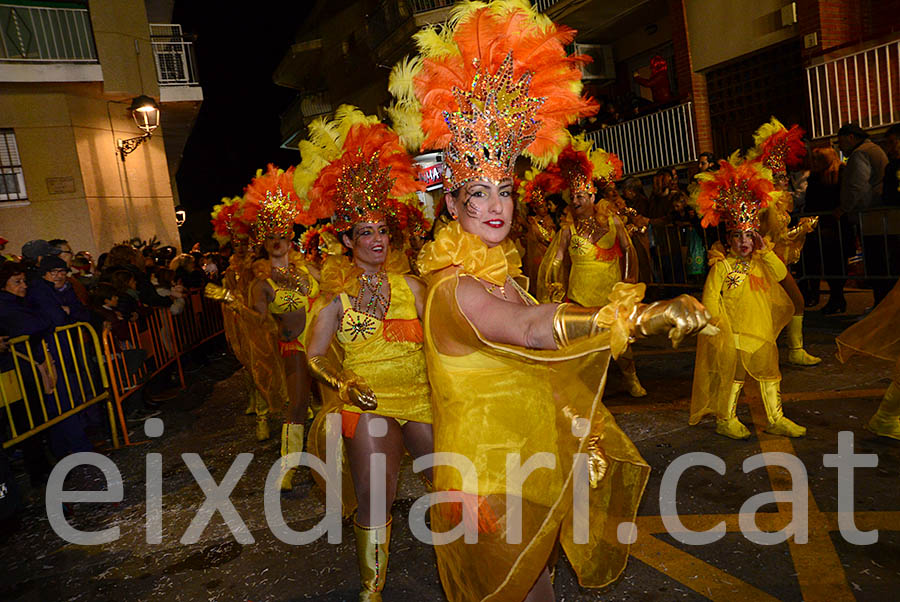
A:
(50, 286)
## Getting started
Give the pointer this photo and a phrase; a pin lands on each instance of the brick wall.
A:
(691, 86)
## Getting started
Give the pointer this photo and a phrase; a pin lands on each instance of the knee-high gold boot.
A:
(778, 423)
(797, 355)
(729, 425)
(886, 421)
(372, 545)
(626, 364)
(262, 415)
(291, 442)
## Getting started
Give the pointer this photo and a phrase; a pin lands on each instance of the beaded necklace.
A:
(291, 278)
(589, 229)
(378, 303)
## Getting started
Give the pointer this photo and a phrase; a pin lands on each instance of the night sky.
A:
(238, 47)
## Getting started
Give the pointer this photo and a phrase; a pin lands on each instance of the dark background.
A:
(237, 48)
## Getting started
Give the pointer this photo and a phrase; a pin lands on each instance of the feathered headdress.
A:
(778, 148)
(226, 220)
(490, 84)
(354, 170)
(538, 185)
(318, 241)
(579, 164)
(271, 205)
(736, 193)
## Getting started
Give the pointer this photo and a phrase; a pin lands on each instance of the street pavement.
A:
(827, 399)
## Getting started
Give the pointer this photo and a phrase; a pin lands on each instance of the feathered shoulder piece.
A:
(538, 184)
(354, 169)
(491, 83)
(779, 149)
(579, 164)
(271, 206)
(226, 220)
(735, 193)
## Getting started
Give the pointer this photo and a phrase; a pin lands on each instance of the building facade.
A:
(68, 75)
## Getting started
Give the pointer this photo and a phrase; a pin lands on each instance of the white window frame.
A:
(11, 165)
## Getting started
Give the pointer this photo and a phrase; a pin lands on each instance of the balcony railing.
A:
(174, 56)
(542, 5)
(651, 142)
(863, 87)
(423, 6)
(46, 34)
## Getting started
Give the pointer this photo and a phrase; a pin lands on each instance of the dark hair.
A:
(710, 158)
(119, 280)
(8, 269)
(57, 242)
(165, 277)
(101, 292)
(120, 255)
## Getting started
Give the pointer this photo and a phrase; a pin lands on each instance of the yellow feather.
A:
(400, 82)
(435, 42)
(407, 122)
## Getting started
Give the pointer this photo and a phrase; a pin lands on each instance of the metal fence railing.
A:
(46, 34)
(863, 87)
(864, 246)
(173, 55)
(648, 143)
(46, 381)
(423, 6)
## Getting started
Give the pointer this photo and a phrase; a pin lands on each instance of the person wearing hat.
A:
(5, 256)
(54, 296)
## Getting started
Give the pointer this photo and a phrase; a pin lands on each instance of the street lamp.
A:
(146, 115)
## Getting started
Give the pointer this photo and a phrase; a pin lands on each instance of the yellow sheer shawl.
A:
(491, 400)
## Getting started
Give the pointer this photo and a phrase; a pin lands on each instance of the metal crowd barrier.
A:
(29, 409)
(864, 245)
(155, 341)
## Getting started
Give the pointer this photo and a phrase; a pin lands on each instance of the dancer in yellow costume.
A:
(592, 251)
(779, 149)
(510, 376)
(365, 343)
(742, 292)
(532, 193)
(283, 290)
(878, 335)
(227, 227)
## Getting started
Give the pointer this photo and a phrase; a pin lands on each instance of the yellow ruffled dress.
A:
(775, 219)
(493, 400)
(750, 308)
(387, 354)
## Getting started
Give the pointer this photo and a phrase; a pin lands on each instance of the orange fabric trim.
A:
(610, 254)
(487, 520)
(289, 347)
(758, 283)
(399, 331)
(349, 420)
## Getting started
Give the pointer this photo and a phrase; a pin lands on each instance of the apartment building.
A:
(74, 162)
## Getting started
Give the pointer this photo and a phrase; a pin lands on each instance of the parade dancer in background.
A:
(743, 294)
(365, 342)
(532, 193)
(779, 149)
(284, 288)
(592, 251)
(510, 376)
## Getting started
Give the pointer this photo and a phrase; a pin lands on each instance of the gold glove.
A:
(218, 293)
(572, 322)
(351, 388)
(556, 291)
(680, 317)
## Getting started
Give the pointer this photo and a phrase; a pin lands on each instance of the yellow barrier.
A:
(27, 382)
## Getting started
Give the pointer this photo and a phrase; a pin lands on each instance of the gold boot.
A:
(797, 355)
(778, 423)
(291, 442)
(262, 416)
(626, 364)
(886, 421)
(730, 426)
(251, 399)
(372, 545)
